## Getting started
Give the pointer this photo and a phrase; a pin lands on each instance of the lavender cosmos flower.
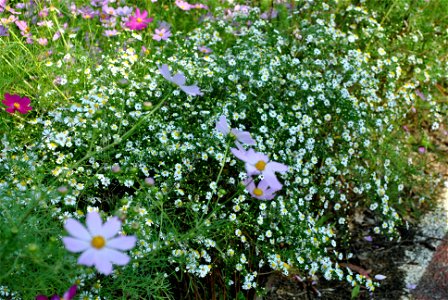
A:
(204, 49)
(98, 243)
(161, 34)
(69, 295)
(109, 33)
(3, 31)
(258, 163)
(242, 136)
(263, 191)
(123, 11)
(87, 12)
(179, 80)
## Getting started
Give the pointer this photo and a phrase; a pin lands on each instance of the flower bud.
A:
(149, 181)
(63, 190)
(123, 82)
(115, 168)
(147, 105)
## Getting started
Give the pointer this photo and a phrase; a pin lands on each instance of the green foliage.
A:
(323, 88)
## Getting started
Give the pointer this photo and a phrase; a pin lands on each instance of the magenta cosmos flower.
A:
(69, 295)
(98, 242)
(242, 136)
(16, 103)
(262, 191)
(258, 163)
(179, 80)
(139, 21)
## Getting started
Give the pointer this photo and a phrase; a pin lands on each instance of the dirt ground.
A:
(378, 257)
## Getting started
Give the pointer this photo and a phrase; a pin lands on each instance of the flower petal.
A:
(222, 125)
(165, 72)
(76, 229)
(179, 79)
(122, 243)
(71, 293)
(276, 167)
(111, 227)
(75, 245)
(244, 137)
(103, 265)
(88, 258)
(239, 153)
(94, 223)
(251, 170)
(41, 297)
(25, 101)
(115, 256)
(380, 277)
(272, 180)
(253, 157)
(192, 90)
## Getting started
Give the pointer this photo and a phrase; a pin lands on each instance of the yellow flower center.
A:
(260, 165)
(16, 105)
(139, 20)
(98, 242)
(258, 192)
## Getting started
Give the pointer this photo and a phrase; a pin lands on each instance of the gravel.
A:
(431, 231)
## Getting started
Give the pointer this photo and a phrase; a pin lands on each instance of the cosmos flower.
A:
(258, 163)
(179, 80)
(109, 32)
(183, 5)
(204, 49)
(69, 295)
(16, 103)
(123, 11)
(242, 136)
(263, 191)
(98, 242)
(161, 34)
(139, 21)
(87, 12)
(3, 31)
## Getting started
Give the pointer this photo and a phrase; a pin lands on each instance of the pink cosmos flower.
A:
(98, 242)
(204, 49)
(263, 191)
(199, 6)
(69, 295)
(16, 103)
(421, 95)
(258, 163)
(139, 21)
(183, 5)
(242, 136)
(161, 34)
(179, 80)
(112, 32)
(42, 41)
